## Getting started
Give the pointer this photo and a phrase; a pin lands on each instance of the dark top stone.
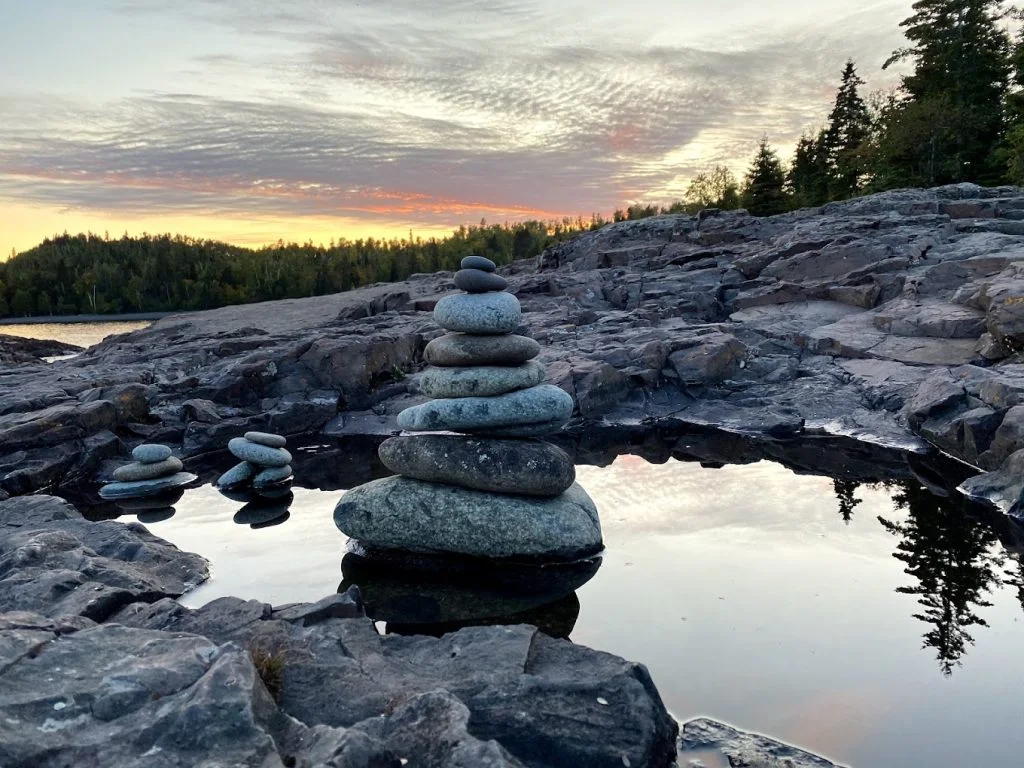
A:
(478, 281)
(478, 262)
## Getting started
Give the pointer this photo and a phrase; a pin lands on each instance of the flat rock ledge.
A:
(708, 742)
(137, 679)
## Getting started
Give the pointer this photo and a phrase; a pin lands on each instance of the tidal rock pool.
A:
(878, 624)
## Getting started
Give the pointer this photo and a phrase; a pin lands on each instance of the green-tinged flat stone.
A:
(143, 488)
(255, 453)
(481, 381)
(544, 405)
(237, 476)
(267, 439)
(272, 476)
(135, 471)
(400, 513)
(483, 313)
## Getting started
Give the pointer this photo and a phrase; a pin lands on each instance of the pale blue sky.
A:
(254, 120)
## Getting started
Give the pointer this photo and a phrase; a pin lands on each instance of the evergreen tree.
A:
(849, 127)
(953, 112)
(808, 178)
(764, 192)
(1012, 151)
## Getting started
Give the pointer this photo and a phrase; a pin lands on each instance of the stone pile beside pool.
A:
(265, 463)
(476, 481)
(154, 472)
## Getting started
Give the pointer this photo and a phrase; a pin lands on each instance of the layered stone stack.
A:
(494, 490)
(265, 463)
(154, 471)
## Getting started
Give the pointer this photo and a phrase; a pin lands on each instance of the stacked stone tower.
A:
(493, 489)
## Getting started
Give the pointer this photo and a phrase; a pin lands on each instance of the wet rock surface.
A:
(703, 738)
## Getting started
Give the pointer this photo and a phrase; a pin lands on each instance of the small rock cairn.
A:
(265, 463)
(493, 491)
(153, 472)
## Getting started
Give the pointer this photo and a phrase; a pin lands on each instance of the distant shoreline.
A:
(71, 319)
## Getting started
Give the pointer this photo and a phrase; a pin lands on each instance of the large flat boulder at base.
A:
(400, 513)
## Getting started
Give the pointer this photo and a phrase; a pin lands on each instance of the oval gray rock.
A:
(478, 262)
(545, 404)
(480, 381)
(267, 439)
(138, 471)
(143, 488)
(262, 455)
(272, 476)
(405, 514)
(240, 474)
(478, 281)
(481, 313)
(462, 349)
(525, 467)
(151, 453)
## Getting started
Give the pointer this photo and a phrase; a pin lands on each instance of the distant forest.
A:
(958, 117)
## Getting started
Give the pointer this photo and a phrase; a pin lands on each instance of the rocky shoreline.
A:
(871, 339)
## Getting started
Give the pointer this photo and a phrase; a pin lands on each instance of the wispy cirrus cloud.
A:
(431, 113)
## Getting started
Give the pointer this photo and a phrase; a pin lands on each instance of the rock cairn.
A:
(266, 464)
(493, 491)
(154, 471)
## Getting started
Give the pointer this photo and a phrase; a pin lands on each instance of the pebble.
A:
(151, 453)
(478, 262)
(262, 455)
(267, 439)
(481, 313)
(150, 471)
(478, 281)
(480, 381)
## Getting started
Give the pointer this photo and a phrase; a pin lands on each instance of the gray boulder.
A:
(460, 349)
(543, 406)
(482, 381)
(481, 313)
(526, 467)
(401, 513)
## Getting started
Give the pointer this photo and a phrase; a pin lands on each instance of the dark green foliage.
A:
(849, 127)
(809, 175)
(764, 192)
(88, 274)
(954, 101)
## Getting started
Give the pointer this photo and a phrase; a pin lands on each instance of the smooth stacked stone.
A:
(154, 471)
(265, 462)
(492, 491)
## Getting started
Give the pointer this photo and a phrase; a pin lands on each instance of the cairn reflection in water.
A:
(952, 550)
(434, 594)
(151, 509)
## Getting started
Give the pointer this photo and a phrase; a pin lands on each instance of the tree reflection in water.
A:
(844, 490)
(956, 560)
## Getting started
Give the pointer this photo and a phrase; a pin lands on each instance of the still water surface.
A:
(880, 626)
(750, 598)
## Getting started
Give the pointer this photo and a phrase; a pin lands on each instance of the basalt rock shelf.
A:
(895, 318)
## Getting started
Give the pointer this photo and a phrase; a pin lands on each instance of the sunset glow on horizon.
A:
(320, 121)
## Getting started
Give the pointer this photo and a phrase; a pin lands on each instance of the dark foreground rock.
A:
(100, 666)
(16, 349)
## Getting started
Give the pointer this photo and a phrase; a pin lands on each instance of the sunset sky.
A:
(311, 119)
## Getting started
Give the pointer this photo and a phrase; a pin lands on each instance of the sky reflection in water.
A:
(750, 599)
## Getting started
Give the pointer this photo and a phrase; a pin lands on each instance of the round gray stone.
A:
(262, 455)
(151, 453)
(129, 473)
(462, 349)
(405, 514)
(478, 262)
(272, 476)
(482, 313)
(267, 439)
(142, 488)
(478, 281)
(533, 407)
(481, 381)
(238, 475)
(525, 467)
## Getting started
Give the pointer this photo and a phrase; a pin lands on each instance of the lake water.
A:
(879, 625)
(81, 334)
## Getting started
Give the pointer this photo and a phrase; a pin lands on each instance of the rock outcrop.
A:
(830, 320)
